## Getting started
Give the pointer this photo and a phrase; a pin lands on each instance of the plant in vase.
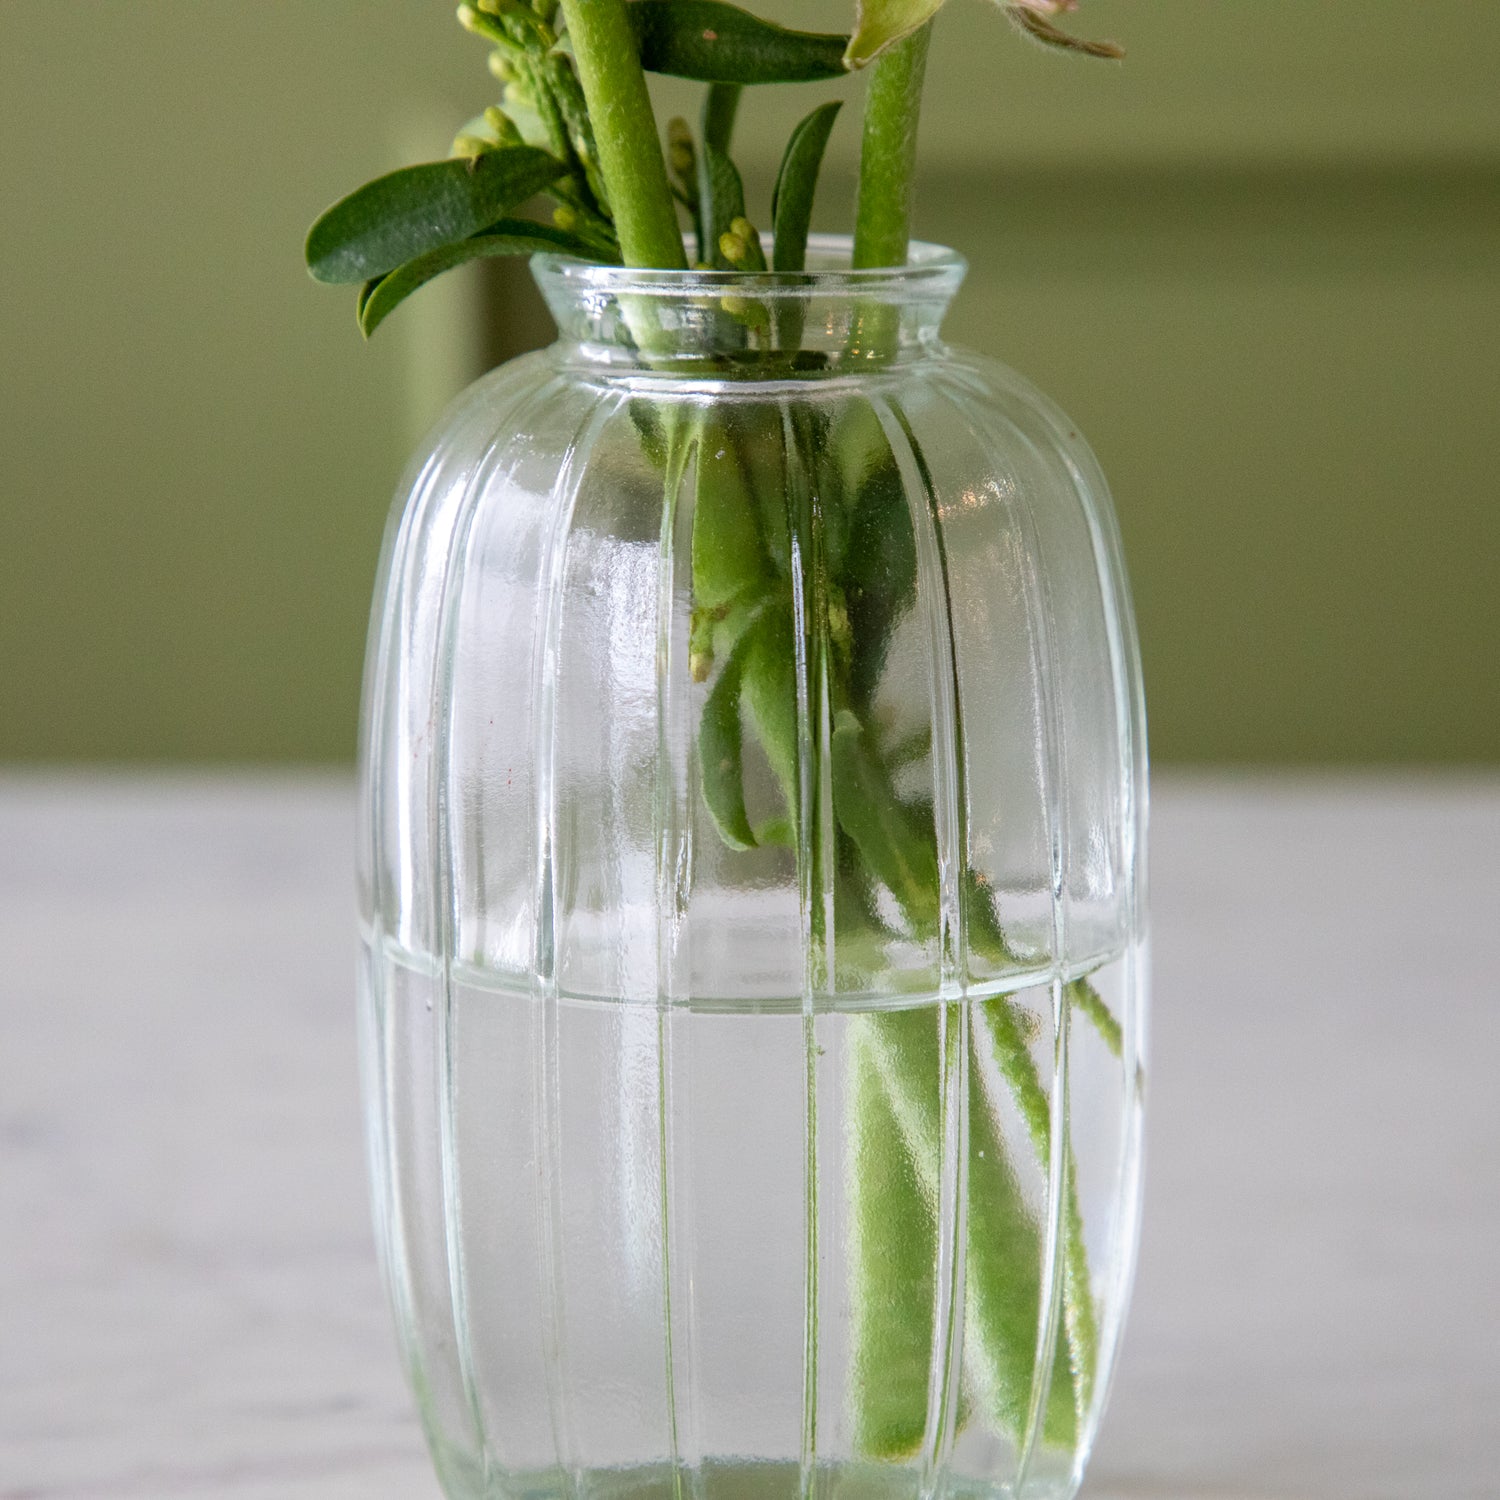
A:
(747, 668)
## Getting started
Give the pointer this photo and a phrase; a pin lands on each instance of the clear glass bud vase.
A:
(753, 797)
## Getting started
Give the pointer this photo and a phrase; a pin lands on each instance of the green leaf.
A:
(1004, 1265)
(1003, 1241)
(378, 299)
(1087, 999)
(365, 293)
(880, 23)
(721, 757)
(725, 202)
(893, 1240)
(720, 105)
(770, 689)
(718, 43)
(408, 213)
(879, 573)
(796, 183)
(729, 555)
(900, 852)
(1078, 1332)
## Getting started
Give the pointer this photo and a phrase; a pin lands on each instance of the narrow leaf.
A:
(898, 851)
(720, 105)
(718, 43)
(721, 757)
(1004, 1258)
(1037, 26)
(381, 297)
(796, 183)
(729, 556)
(724, 204)
(893, 1238)
(770, 690)
(1087, 999)
(408, 213)
(880, 23)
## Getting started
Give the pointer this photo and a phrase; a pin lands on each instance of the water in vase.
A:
(753, 1251)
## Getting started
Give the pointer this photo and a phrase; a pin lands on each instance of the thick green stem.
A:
(888, 155)
(630, 157)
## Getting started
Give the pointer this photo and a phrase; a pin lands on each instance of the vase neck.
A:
(826, 320)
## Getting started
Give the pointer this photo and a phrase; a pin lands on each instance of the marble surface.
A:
(188, 1296)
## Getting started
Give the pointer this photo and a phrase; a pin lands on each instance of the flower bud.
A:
(503, 126)
(565, 216)
(465, 144)
(500, 66)
(733, 247)
(680, 146)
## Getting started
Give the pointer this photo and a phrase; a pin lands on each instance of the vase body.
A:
(752, 809)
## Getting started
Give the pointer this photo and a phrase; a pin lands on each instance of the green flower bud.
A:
(734, 248)
(503, 126)
(470, 145)
(742, 229)
(680, 155)
(565, 216)
(736, 307)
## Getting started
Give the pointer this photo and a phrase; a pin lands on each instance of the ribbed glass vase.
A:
(753, 798)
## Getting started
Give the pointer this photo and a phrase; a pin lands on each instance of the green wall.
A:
(1259, 263)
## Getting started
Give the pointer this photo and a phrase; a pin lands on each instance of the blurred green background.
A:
(1259, 263)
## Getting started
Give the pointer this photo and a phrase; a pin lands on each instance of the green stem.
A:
(888, 155)
(630, 157)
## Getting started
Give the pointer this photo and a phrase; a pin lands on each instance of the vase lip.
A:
(821, 321)
(931, 271)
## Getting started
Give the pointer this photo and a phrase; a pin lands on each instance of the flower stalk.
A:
(888, 155)
(630, 155)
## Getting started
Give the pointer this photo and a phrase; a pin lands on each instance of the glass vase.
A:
(752, 809)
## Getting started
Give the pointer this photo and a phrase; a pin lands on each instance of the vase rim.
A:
(931, 270)
(817, 322)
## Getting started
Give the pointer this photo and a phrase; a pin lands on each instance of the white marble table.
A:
(188, 1299)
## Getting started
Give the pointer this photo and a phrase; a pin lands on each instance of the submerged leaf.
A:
(379, 298)
(893, 1235)
(721, 757)
(717, 43)
(880, 23)
(893, 842)
(408, 213)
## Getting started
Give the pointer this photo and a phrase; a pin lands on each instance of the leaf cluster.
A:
(536, 146)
